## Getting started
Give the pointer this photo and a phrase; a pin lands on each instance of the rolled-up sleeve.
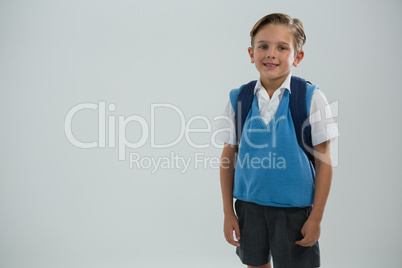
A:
(224, 126)
(323, 126)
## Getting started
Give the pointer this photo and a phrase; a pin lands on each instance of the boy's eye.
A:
(263, 47)
(282, 48)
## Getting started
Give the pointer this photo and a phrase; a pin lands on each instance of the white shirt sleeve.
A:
(225, 128)
(323, 127)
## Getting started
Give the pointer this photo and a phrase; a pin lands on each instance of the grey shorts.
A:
(272, 231)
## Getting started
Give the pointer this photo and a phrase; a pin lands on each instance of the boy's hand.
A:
(231, 224)
(311, 232)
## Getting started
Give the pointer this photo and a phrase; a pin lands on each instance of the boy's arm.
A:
(323, 177)
(227, 168)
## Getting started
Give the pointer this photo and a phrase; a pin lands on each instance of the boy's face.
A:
(274, 54)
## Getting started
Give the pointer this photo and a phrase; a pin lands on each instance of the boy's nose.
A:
(270, 53)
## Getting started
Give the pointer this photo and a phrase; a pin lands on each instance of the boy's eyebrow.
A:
(281, 43)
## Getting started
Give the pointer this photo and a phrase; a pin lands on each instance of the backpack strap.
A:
(300, 115)
(243, 106)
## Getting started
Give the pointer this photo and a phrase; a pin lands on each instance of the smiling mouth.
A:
(270, 64)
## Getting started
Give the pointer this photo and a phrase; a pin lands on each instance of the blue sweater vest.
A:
(271, 168)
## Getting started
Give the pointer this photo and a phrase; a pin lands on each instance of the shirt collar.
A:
(285, 85)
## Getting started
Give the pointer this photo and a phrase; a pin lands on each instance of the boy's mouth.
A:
(270, 64)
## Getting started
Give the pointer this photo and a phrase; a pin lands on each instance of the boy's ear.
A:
(298, 58)
(251, 53)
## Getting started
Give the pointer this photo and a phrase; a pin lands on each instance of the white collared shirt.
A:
(323, 127)
(267, 105)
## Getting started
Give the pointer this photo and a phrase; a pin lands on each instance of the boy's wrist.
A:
(228, 211)
(315, 216)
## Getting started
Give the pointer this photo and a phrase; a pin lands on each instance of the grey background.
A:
(62, 206)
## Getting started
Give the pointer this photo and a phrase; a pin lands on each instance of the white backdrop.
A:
(65, 206)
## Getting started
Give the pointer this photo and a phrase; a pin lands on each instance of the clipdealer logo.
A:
(115, 126)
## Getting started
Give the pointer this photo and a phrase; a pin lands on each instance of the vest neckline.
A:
(285, 98)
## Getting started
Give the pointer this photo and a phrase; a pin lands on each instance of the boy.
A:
(280, 194)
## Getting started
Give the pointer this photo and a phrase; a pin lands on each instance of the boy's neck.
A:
(271, 85)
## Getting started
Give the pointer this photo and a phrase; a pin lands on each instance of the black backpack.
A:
(298, 110)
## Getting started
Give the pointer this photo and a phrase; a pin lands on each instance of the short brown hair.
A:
(295, 26)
